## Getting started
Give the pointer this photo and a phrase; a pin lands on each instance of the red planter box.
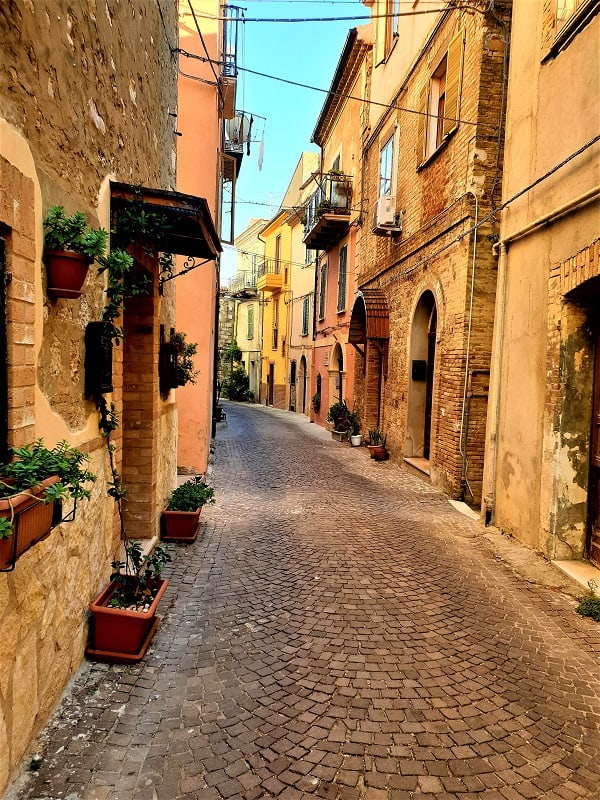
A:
(180, 526)
(32, 521)
(120, 635)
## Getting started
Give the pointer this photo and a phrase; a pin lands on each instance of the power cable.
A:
(210, 61)
(328, 92)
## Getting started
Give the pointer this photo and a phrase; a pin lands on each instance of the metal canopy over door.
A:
(593, 538)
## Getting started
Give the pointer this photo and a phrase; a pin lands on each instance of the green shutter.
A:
(453, 83)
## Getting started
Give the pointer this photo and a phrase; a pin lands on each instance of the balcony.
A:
(243, 284)
(269, 277)
(328, 211)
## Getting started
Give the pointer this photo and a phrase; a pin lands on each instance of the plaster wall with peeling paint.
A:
(539, 427)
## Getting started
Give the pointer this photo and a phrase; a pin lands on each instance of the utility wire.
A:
(353, 18)
(339, 95)
(210, 61)
(492, 213)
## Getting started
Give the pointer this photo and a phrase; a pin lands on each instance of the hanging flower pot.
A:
(31, 521)
(67, 272)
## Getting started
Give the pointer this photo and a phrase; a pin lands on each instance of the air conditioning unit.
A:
(385, 218)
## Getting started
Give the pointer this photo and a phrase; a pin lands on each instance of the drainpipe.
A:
(462, 438)
(493, 416)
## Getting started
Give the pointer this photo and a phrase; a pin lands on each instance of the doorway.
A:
(593, 531)
(302, 386)
(421, 378)
(270, 387)
(293, 386)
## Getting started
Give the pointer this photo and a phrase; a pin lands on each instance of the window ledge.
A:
(578, 20)
(432, 156)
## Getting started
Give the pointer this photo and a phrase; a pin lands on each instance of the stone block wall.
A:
(77, 109)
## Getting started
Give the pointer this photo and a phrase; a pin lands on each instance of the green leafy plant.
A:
(233, 354)
(185, 359)
(235, 385)
(343, 419)
(589, 606)
(73, 233)
(316, 402)
(191, 495)
(376, 437)
(32, 464)
(122, 282)
(136, 577)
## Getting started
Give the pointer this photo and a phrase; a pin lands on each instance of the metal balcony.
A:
(243, 284)
(328, 211)
(269, 277)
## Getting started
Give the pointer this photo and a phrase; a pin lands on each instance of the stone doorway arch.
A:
(421, 378)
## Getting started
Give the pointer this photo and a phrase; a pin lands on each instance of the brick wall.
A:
(438, 252)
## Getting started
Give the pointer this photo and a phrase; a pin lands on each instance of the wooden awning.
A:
(370, 317)
(192, 230)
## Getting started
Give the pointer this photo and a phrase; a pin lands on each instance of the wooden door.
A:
(431, 335)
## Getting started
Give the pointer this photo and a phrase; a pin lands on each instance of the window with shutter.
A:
(439, 103)
(322, 288)
(342, 278)
(305, 315)
(250, 332)
(386, 166)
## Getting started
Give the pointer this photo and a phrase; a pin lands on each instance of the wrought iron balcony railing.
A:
(327, 212)
(244, 281)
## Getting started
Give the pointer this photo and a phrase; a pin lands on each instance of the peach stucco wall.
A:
(196, 291)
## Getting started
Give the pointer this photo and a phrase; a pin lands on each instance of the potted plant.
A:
(70, 247)
(124, 614)
(316, 402)
(30, 484)
(354, 432)
(181, 516)
(376, 445)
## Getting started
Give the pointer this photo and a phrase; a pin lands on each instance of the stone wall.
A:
(77, 108)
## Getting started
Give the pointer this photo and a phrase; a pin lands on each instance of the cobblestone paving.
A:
(337, 632)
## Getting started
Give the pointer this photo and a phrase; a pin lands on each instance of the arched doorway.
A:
(302, 386)
(421, 378)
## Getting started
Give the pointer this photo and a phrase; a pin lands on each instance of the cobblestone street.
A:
(338, 631)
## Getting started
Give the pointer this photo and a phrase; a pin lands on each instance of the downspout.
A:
(462, 438)
(493, 418)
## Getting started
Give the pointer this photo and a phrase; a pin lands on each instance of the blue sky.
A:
(305, 52)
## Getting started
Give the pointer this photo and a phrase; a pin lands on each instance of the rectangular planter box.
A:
(120, 635)
(32, 522)
(180, 526)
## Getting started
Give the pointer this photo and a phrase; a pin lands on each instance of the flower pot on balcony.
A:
(122, 635)
(32, 521)
(67, 272)
(180, 526)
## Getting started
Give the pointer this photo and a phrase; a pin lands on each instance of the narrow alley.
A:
(338, 631)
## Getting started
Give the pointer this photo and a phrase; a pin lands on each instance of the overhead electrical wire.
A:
(352, 18)
(340, 95)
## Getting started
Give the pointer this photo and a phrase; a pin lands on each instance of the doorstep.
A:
(419, 463)
(581, 571)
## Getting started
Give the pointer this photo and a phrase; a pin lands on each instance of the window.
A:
(305, 314)
(275, 321)
(278, 255)
(342, 278)
(563, 20)
(250, 323)
(322, 288)
(391, 23)
(386, 164)
(440, 101)
(309, 256)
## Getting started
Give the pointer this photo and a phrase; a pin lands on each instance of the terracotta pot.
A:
(377, 451)
(120, 635)
(180, 526)
(32, 521)
(66, 272)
